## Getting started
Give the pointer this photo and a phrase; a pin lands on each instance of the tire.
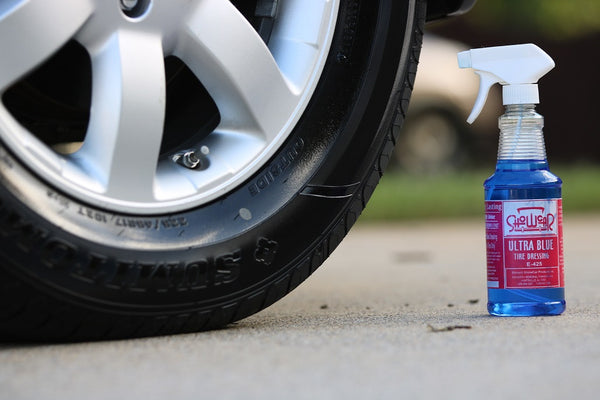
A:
(77, 265)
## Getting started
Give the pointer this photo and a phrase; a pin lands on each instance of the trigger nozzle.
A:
(486, 81)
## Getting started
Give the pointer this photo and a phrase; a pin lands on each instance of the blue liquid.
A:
(522, 180)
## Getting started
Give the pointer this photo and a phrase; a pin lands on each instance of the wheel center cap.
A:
(164, 18)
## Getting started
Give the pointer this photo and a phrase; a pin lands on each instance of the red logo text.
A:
(530, 219)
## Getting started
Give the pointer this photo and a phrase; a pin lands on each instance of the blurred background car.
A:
(437, 138)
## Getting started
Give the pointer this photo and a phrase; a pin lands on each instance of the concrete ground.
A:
(374, 322)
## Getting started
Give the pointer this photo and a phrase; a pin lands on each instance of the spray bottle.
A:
(523, 204)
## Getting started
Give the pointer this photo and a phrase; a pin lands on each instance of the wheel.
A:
(174, 166)
(432, 141)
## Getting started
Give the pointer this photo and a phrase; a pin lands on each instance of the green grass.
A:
(460, 194)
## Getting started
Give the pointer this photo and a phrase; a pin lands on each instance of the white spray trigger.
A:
(486, 81)
(516, 67)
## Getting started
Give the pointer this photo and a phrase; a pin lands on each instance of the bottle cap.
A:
(526, 93)
(516, 67)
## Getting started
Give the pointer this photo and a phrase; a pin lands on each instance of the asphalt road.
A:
(396, 312)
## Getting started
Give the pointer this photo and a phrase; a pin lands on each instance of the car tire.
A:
(81, 268)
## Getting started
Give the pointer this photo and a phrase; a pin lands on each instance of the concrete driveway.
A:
(396, 312)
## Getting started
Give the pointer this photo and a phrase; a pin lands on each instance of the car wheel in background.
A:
(432, 141)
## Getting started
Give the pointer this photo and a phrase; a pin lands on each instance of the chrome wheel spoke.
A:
(126, 124)
(32, 30)
(238, 70)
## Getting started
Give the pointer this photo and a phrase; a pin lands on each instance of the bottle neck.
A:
(521, 135)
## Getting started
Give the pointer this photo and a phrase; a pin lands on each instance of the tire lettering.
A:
(276, 169)
(61, 200)
(162, 277)
(147, 224)
(93, 215)
(58, 255)
(265, 251)
(125, 276)
(99, 270)
(228, 268)
(94, 269)
(174, 222)
(28, 237)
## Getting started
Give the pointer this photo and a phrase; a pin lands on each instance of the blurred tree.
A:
(555, 19)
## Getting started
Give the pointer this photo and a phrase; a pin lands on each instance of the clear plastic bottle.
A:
(524, 222)
(523, 205)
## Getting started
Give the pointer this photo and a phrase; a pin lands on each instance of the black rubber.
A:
(69, 271)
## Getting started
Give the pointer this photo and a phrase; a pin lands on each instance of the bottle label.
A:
(524, 244)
